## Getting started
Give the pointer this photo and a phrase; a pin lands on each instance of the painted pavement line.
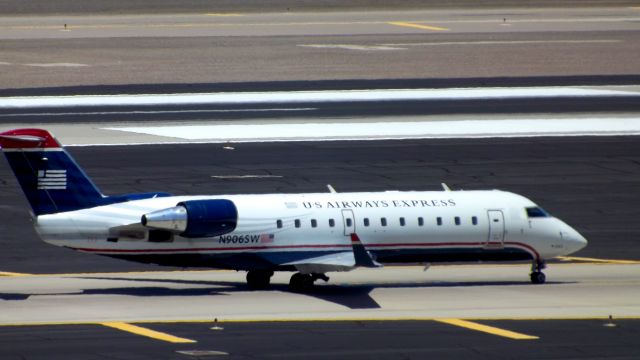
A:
(318, 131)
(506, 42)
(564, 259)
(7, 273)
(599, 261)
(487, 329)
(418, 26)
(307, 97)
(134, 329)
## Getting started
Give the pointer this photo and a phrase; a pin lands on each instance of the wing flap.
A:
(342, 261)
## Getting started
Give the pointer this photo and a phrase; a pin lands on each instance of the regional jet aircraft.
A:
(308, 234)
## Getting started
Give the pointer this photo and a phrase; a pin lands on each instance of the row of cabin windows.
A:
(383, 222)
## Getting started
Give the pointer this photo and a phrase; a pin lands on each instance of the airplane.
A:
(309, 234)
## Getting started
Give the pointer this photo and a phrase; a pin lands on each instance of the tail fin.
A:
(48, 175)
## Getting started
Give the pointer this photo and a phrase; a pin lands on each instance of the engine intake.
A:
(195, 218)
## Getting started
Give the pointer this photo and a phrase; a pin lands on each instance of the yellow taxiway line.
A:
(487, 329)
(417, 26)
(146, 332)
(599, 261)
(6, 273)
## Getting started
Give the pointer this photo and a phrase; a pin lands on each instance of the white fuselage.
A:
(393, 226)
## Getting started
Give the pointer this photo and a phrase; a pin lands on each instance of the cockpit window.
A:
(537, 212)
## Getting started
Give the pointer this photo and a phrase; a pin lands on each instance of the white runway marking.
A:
(352, 47)
(506, 42)
(57, 65)
(246, 176)
(153, 112)
(309, 96)
(394, 130)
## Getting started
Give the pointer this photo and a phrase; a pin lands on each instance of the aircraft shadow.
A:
(357, 296)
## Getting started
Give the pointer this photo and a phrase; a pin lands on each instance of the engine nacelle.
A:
(195, 218)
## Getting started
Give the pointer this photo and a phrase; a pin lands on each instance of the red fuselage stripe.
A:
(318, 246)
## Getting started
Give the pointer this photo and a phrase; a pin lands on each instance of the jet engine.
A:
(195, 218)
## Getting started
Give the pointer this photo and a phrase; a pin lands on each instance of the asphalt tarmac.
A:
(558, 339)
(590, 182)
(119, 7)
(391, 44)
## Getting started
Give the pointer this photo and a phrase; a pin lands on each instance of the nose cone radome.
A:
(573, 240)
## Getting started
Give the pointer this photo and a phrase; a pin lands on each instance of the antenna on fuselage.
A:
(331, 189)
(445, 187)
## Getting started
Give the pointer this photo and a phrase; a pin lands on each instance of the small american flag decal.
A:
(52, 179)
(266, 238)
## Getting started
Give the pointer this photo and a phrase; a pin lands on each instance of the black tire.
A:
(538, 277)
(259, 279)
(300, 282)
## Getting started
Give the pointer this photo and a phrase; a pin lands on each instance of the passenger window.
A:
(439, 221)
(536, 212)
(420, 221)
(383, 221)
(348, 222)
(457, 220)
(366, 221)
(402, 222)
(314, 223)
(279, 224)
(474, 220)
(332, 223)
(296, 222)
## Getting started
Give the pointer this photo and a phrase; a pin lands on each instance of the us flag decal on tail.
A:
(52, 179)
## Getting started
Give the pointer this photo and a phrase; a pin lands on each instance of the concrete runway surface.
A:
(388, 44)
(475, 312)
(499, 292)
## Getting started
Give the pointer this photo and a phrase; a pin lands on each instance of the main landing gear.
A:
(303, 282)
(259, 279)
(537, 276)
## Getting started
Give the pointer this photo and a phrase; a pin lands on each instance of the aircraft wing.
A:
(342, 261)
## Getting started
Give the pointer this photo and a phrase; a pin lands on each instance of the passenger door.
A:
(349, 222)
(496, 229)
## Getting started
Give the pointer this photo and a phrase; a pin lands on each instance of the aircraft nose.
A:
(573, 240)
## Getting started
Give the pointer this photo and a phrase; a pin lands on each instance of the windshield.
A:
(536, 212)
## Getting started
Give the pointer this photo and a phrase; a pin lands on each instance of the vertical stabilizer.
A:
(48, 175)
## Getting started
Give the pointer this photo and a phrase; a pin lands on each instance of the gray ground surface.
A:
(42, 7)
(112, 50)
(559, 339)
(405, 292)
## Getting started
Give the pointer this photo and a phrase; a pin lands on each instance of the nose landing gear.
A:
(537, 276)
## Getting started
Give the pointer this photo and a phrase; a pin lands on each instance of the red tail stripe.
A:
(27, 139)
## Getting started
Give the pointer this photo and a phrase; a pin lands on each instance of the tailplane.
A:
(48, 175)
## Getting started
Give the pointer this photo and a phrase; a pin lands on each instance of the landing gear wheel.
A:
(259, 279)
(301, 282)
(538, 277)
